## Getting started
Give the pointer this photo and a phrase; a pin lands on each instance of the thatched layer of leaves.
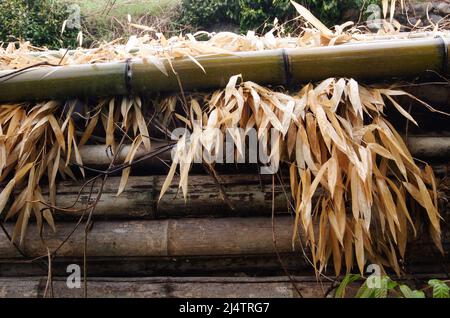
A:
(332, 135)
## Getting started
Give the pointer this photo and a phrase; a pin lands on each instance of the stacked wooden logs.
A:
(140, 246)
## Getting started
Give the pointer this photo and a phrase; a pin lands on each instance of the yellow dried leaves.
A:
(344, 146)
(352, 178)
(156, 49)
(38, 142)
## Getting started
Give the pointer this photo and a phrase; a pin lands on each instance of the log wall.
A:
(139, 246)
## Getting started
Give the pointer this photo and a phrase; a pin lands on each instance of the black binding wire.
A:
(128, 76)
(287, 67)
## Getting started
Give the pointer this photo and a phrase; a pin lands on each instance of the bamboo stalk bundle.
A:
(308, 123)
(333, 136)
(370, 61)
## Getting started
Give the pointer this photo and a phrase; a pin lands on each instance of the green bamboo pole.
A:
(367, 61)
(266, 67)
(373, 61)
(64, 82)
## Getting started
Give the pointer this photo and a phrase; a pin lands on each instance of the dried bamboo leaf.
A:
(89, 130)
(5, 194)
(128, 159)
(57, 130)
(428, 204)
(142, 125)
(359, 246)
(110, 126)
(305, 13)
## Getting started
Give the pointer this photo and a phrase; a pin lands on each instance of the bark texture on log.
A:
(421, 258)
(248, 194)
(187, 287)
(97, 155)
(176, 237)
(186, 237)
(216, 265)
(162, 287)
(430, 147)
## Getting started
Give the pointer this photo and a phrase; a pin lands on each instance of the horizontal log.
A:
(369, 61)
(171, 237)
(167, 287)
(99, 155)
(421, 258)
(249, 195)
(429, 147)
(188, 287)
(437, 95)
(420, 146)
(219, 265)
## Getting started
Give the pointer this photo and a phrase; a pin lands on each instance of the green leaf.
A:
(348, 279)
(365, 291)
(386, 284)
(440, 288)
(391, 284)
(408, 293)
(381, 291)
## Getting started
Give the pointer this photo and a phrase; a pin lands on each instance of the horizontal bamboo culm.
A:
(368, 61)
(155, 287)
(182, 237)
(186, 287)
(169, 237)
(420, 146)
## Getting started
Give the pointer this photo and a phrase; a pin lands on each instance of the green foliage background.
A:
(40, 21)
(252, 14)
(37, 21)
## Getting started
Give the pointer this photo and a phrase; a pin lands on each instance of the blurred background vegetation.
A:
(38, 21)
(257, 14)
(41, 21)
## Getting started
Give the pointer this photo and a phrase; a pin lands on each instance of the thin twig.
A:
(274, 240)
(49, 284)
(223, 194)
